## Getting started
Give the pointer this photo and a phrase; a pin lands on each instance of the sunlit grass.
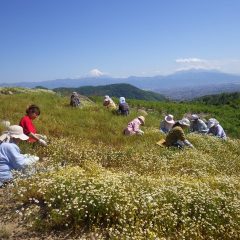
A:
(93, 177)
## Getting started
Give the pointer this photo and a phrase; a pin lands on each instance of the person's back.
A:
(123, 108)
(198, 126)
(8, 153)
(109, 103)
(10, 156)
(134, 126)
(174, 135)
(216, 129)
(75, 100)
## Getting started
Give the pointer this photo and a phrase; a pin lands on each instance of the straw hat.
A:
(169, 119)
(142, 119)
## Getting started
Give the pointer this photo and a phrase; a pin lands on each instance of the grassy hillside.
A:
(114, 90)
(93, 182)
(231, 99)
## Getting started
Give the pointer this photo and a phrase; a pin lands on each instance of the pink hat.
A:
(169, 119)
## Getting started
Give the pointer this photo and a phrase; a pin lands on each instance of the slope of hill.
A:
(115, 90)
(189, 93)
(94, 183)
(231, 99)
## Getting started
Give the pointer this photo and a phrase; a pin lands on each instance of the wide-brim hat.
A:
(16, 131)
(184, 122)
(169, 119)
(212, 122)
(142, 119)
(194, 117)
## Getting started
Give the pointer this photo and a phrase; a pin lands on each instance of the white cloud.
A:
(190, 60)
(197, 63)
(224, 65)
(96, 73)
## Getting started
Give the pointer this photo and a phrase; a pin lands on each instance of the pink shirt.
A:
(134, 126)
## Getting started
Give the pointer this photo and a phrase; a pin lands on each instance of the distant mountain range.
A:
(180, 85)
(114, 90)
(188, 93)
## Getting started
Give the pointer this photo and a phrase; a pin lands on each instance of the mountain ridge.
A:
(114, 90)
(167, 85)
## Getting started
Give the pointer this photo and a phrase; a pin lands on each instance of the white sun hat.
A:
(212, 122)
(184, 122)
(16, 131)
(122, 100)
(169, 119)
(194, 117)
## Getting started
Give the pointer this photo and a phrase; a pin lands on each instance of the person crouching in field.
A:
(198, 125)
(10, 156)
(176, 136)
(167, 123)
(216, 129)
(74, 100)
(109, 103)
(134, 126)
(29, 129)
(123, 108)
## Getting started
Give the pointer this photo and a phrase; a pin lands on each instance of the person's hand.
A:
(42, 142)
(140, 132)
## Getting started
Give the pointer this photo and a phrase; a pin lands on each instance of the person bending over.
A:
(29, 129)
(134, 126)
(176, 136)
(10, 156)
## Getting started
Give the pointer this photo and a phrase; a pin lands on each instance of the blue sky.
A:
(50, 39)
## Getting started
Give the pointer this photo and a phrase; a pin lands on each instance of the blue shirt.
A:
(217, 131)
(11, 159)
(198, 126)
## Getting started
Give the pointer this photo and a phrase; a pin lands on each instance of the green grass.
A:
(92, 178)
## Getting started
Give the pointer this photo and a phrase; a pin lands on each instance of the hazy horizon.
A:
(58, 39)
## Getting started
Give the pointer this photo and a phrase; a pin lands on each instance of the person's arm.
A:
(37, 138)
(17, 160)
(203, 127)
(220, 132)
(187, 143)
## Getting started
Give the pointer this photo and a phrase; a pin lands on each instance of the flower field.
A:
(98, 184)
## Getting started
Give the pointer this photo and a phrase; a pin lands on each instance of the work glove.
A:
(42, 142)
(31, 159)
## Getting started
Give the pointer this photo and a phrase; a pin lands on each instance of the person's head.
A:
(212, 122)
(169, 119)
(184, 123)
(14, 134)
(5, 124)
(33, 111)
(122, 100)
(194, 117)
(142, 119)
(74, 94)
